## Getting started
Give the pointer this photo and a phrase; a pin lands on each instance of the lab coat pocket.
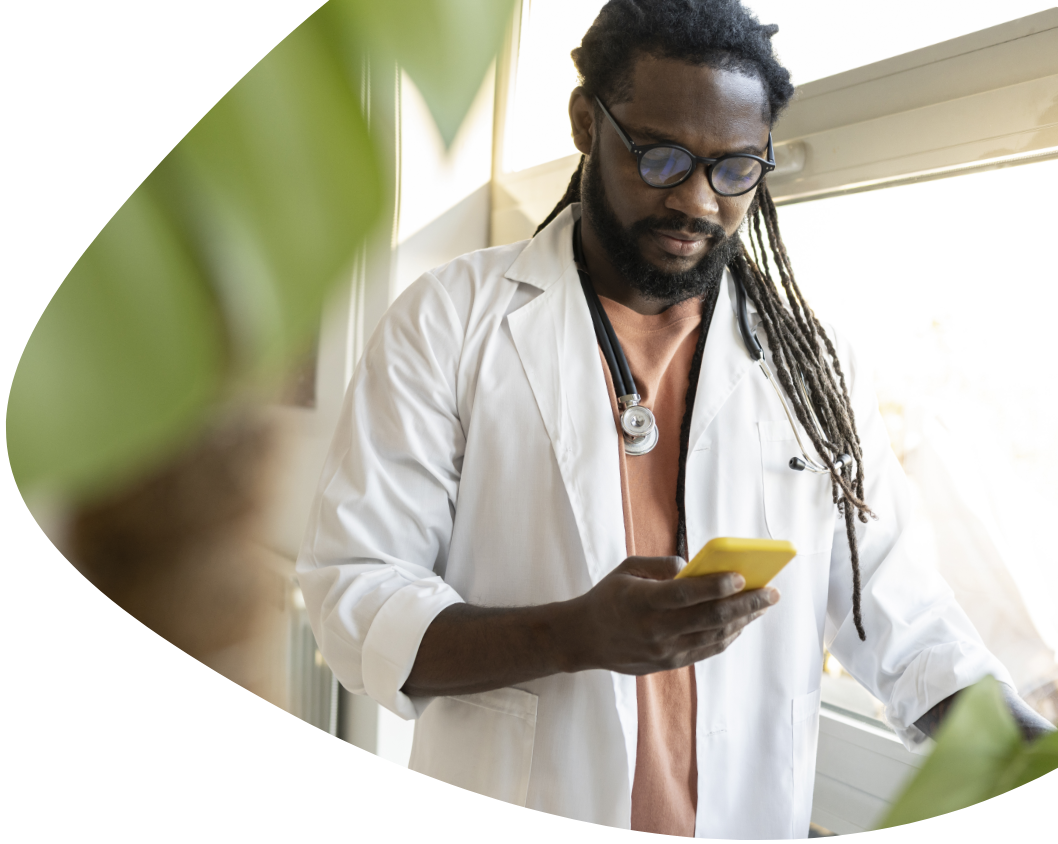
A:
(798, 506)
(804, 722)
(481, 742)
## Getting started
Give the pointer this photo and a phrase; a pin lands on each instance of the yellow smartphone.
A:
(757, 560)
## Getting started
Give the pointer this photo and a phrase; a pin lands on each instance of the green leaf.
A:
(276, 187)
(976, 746)
(446, 46)
(212, 275)
(125, 358)
(1034, 760)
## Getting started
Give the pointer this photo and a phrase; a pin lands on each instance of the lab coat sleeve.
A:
(921, 647)
(378, 535)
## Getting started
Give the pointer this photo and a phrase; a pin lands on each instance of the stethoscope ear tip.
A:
(840, 462)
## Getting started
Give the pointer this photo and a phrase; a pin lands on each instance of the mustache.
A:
(681, 223)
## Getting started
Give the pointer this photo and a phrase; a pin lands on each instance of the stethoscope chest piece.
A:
(638, 425)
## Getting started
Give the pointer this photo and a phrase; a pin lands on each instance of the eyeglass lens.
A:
(666, 166)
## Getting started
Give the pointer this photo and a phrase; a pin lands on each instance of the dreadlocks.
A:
(724, 35)
(571, 195)
(797, 340)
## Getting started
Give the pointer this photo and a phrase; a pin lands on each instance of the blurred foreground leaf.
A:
(445, 46)
(126, 356)
(979, 754)
(275, 188)
(211, 277)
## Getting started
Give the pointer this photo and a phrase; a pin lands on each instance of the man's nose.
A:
(695, 197)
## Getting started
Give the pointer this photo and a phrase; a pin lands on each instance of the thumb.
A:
(651, 568)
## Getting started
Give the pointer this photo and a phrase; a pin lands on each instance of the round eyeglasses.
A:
(668, 165)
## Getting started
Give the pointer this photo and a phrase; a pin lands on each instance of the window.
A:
(947, 286)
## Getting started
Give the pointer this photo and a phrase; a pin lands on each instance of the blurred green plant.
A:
(210, 278)
(979, 754)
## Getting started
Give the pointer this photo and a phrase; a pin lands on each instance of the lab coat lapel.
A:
(725, 361)
(555, 340)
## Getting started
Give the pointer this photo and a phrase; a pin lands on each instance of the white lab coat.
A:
(476, 460)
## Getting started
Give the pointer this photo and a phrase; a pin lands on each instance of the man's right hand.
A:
(636, 620)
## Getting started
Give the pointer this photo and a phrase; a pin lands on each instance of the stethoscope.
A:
(638, 426)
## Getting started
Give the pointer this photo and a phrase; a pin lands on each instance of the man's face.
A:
(671, 243)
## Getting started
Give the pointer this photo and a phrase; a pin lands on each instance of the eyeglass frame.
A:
(639, 151)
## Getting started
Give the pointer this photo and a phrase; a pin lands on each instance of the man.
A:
(490, 555)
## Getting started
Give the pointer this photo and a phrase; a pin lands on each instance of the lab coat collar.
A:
(550, 254)
(548, 258)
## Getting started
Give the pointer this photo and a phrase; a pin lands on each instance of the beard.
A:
(622, 246)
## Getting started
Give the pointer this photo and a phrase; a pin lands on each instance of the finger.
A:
(715, 635)
(716, 614)
(689, 591)
(711, 650)
(695, 647)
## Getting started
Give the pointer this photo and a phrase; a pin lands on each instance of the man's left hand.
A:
(1029, 721)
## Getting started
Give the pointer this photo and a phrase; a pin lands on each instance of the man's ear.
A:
(582, 119)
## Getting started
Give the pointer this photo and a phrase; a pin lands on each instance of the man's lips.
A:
(681, 245)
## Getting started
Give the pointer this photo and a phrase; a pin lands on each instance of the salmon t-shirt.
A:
(659, 349)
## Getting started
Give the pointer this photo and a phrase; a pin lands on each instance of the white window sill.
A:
(861, 767)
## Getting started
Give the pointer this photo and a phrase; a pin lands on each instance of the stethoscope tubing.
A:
(625, 386)
(638, 426)
(611, 348)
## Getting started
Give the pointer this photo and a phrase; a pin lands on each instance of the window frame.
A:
(966, 104)
(970, 103)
